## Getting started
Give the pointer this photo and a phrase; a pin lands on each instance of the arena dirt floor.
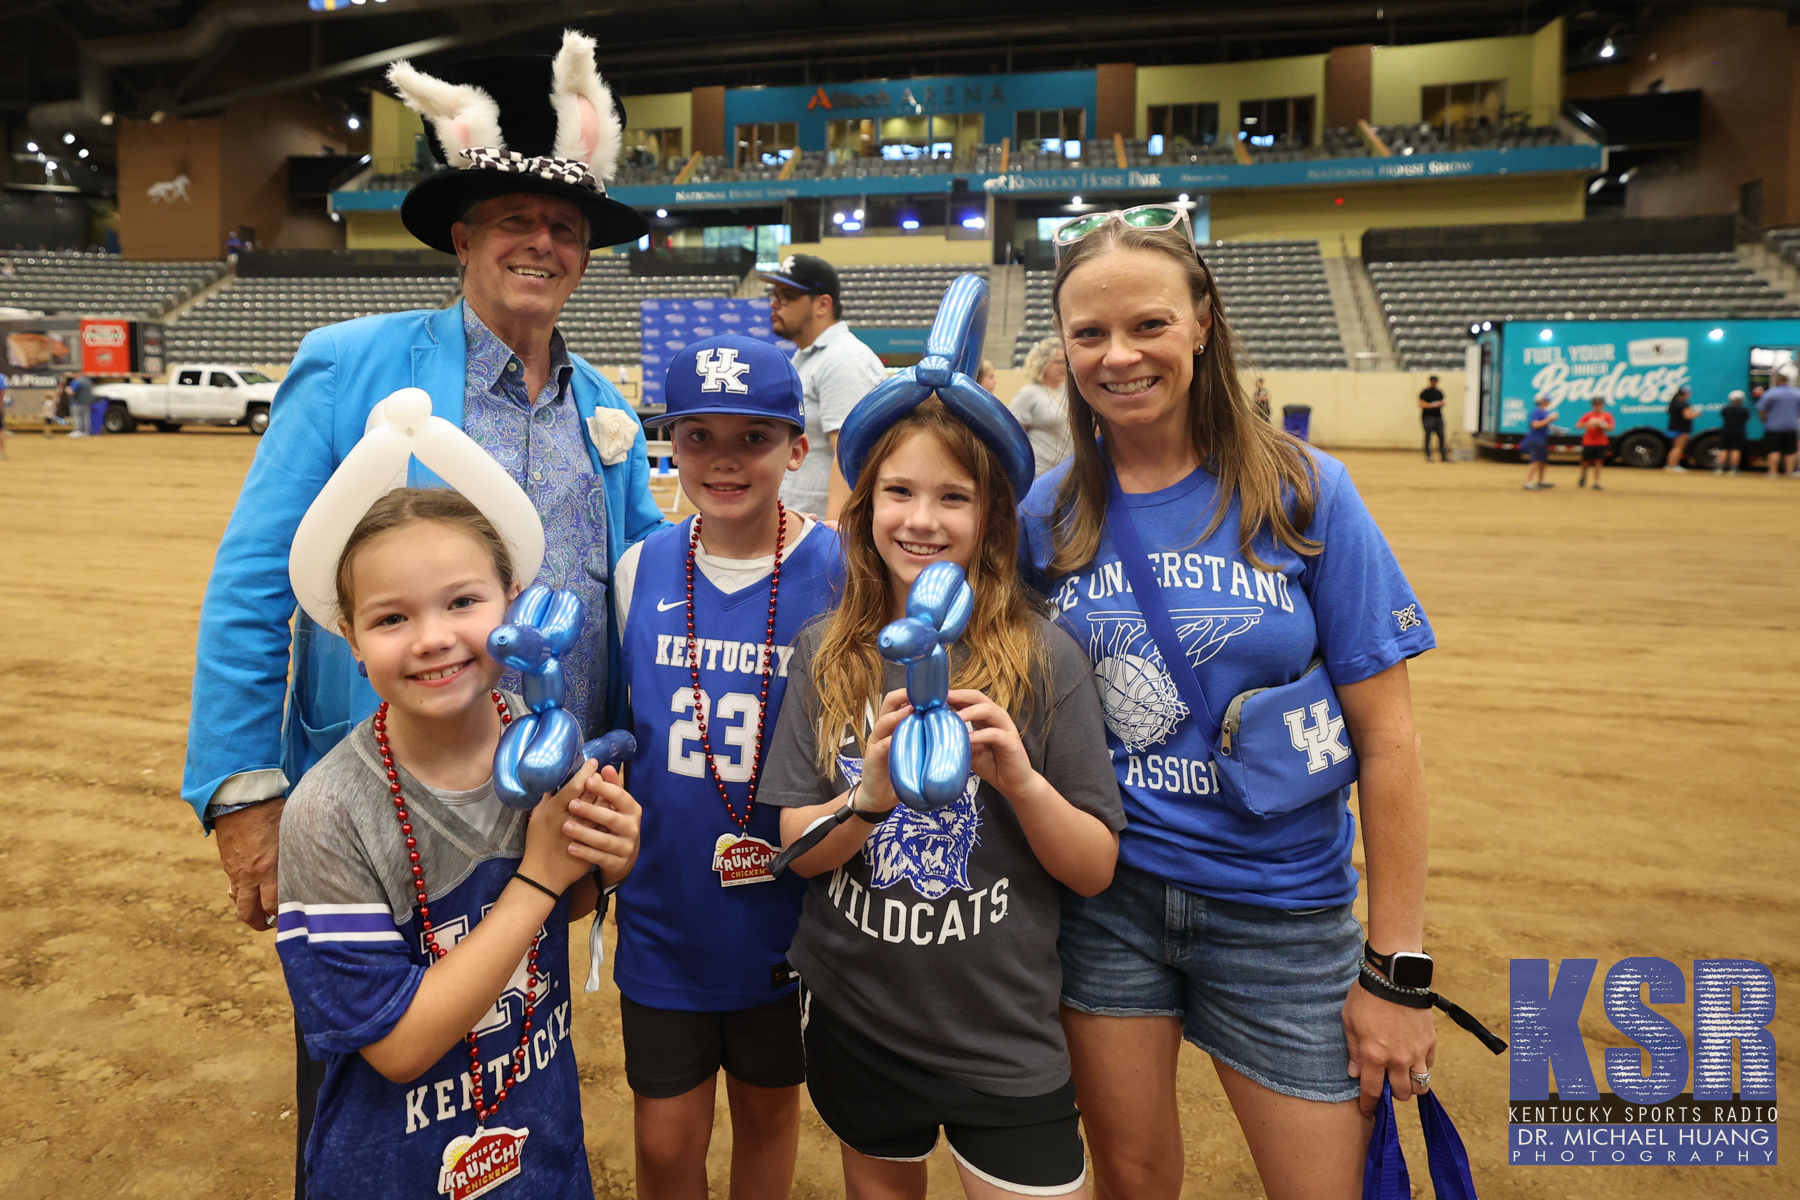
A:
(1609, 727)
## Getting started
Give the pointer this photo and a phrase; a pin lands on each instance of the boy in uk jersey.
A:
(707, 612)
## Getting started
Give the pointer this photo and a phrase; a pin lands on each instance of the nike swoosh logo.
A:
(666, 605)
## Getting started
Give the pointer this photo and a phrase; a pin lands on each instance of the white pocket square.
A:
(614, 433)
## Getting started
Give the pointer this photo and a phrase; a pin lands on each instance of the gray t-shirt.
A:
(1045, 416)
(938, 939)
(836, 371)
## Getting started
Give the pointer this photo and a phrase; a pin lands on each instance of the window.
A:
(1050, 129)
(1286, 121)
(647, 146)
(188, 379)
(1192, 124)
(221, 379)
(848, 139)
(766, 143)
(943, 135)
(1470, 105)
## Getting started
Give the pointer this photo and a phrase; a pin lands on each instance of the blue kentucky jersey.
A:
(695, 934)
(353, 973)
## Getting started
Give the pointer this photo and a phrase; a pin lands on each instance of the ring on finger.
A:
(1421, 1079)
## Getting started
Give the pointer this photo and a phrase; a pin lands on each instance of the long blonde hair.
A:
(998, 651)
(1039, 358)
(1274, 479)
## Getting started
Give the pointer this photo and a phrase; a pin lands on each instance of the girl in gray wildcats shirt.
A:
(927, 945)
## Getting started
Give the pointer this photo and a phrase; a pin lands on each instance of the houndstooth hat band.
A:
(563, 170)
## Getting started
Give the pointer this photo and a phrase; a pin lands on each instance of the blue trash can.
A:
(1297, 419)
(97, 416)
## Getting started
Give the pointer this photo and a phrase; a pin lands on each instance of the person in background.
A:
(81, 405)
(5, 414)
(1732, 420)
(1260, 398)
(836, 370)
(1431, 416)
(1682, 412)
(987, 377)
(1596, 438)
(234, 245)
(1780, 410)
(1041, 406)
(1536, 444)
(52, 417)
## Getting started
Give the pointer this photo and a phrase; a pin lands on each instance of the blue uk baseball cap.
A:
(734, 374)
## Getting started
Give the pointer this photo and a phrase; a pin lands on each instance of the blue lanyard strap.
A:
(1150, 602)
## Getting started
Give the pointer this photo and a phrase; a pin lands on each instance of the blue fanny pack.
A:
(1277, 748)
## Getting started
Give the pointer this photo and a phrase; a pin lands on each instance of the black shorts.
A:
(669, 1052)
(886, 1106)
(1780, 441)
(1594, 453)
(1731, 441)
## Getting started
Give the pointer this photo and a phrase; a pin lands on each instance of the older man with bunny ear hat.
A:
(528, 143)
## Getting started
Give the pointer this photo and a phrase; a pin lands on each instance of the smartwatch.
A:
(1403, 968)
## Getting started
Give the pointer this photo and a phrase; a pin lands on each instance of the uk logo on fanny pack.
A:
(1649, 1115)
(1323, 741)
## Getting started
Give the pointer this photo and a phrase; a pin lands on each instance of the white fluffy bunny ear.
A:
(587, 128)
(463, 117)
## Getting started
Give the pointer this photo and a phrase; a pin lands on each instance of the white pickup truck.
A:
(203, 394)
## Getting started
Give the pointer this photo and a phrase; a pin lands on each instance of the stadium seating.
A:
(262, 320)
(100, 284)
(1431, 305)
(1275, 296)
(601, 320)
(899, 297)
(1785, 241)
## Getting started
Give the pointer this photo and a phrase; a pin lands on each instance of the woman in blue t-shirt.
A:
(1225, 928)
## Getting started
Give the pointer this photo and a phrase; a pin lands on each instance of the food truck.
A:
(1637, 366)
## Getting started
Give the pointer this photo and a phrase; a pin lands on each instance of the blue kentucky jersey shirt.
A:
(354, 964)
(694, 933)
(1242, 628)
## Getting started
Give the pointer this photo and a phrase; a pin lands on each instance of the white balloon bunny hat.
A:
(401, 429)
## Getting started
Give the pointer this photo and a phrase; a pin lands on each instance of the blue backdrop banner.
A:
(669, 325)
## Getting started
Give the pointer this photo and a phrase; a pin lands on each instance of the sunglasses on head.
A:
(1153, 217)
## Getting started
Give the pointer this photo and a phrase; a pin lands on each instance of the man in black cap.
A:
(836, 370)
(528, 142)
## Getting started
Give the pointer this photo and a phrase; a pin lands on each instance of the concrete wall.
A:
(665, 110)
(1401, 71)
(1315, 212)
(392, 128)
(256, 139)
(1227, 84)
(1743, 62)
(378, 231)
(1362, 410)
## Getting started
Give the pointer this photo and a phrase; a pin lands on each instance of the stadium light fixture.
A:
(852, 226)
(837, 218)
(662, 212)
(857, 215)
(354, 123)
(1599, 182)
(1073, 200)
(49, 165)
(1182, 199)
(974, 222)
(31, 147)
(81, 153)
(108, 118)
(1717, 335)
(1486, 325)
(1607, 49)
(910, 223)
(1545, 335)
(68, 139)
(365, 158)
(1474, 329)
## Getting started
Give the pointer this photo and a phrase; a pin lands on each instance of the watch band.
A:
(1374, 981)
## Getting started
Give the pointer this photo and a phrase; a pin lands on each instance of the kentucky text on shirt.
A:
(439, 1100)
(746, 658)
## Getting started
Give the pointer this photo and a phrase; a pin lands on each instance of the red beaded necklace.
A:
(482, 1110)
(768, 668)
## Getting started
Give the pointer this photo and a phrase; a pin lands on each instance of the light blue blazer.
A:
(250, 710)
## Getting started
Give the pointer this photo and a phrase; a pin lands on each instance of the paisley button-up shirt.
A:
(539, 441)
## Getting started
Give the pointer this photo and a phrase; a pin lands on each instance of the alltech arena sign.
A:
(1649, 1114)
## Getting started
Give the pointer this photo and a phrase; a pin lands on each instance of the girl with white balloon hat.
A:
(420, 918)
(927, 944)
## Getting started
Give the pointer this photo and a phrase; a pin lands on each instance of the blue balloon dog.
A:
(952, 358)
(542, 750)
(928, 760)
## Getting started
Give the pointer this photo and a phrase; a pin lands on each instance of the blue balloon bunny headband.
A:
(538, 752)
(952, 357)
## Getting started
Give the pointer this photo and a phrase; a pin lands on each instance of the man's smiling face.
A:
(523, 256)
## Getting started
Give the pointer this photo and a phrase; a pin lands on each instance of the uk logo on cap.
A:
(721, 369)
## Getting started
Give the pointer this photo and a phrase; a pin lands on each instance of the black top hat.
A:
(517, 123)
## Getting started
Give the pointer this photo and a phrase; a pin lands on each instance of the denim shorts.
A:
(1260, 989)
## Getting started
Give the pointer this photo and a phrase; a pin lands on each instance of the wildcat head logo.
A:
(1140, 699)
(928, 850)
